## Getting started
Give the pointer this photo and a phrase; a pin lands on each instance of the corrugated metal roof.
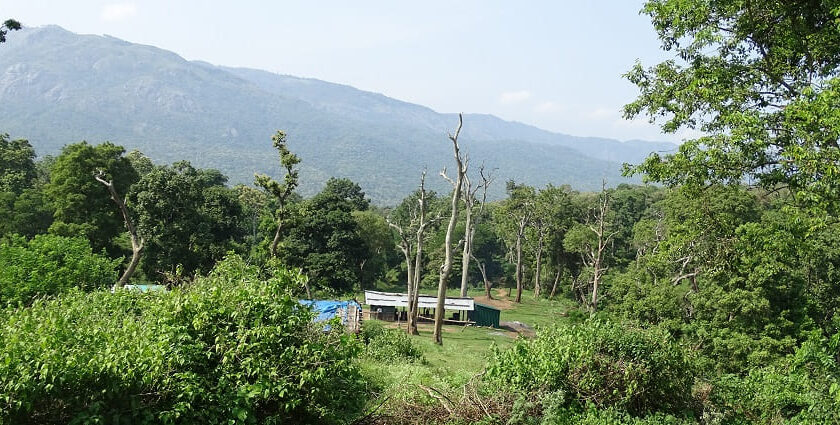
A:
(424, 301)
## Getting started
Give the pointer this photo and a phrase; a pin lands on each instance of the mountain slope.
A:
(57, 87)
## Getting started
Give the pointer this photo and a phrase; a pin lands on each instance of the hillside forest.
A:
(707, 295)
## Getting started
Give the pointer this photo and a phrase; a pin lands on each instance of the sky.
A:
(556, 64)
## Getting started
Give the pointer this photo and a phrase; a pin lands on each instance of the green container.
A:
(484, 315)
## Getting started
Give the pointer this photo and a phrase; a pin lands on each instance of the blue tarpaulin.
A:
(327, 309)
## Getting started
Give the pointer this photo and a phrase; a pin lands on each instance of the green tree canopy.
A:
(188, 217)
(82, 206)
(17, 164)
(760, 79)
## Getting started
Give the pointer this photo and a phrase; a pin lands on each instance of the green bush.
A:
(601, 364)
(803, 389)
(388, 345)
(48, 265)
(228, 348)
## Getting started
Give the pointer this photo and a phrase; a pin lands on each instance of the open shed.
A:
(388, 302)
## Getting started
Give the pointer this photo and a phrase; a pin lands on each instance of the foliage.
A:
(230, 348)
(28, 213)
(323, 240)
(17, 166)
(49, 265)
(188, 217)
(8, 25)
(82, 205)
(388, 345)
(378, 244)
(602, 363)
(760, 80)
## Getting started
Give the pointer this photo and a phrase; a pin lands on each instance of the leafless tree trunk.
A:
(424, 222)
(137, 243)
(453, 218)
(540, 237)
(601, 228)
(520, 235)
(483, 269)
(421, 222)
(556, 280)
(470, 224)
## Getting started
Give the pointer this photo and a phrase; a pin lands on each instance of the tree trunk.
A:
(469, 233)
(136, 242)
(556, 280)
(483, 269)
(539, 266)
(518, 270)
(414, 292)
(276, 241)
(453, 218)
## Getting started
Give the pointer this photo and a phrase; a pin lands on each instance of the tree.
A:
(411, 221)
(348, 190)
(513, 218)
(553, 214)
(187, 216)
(591, 240)
(80, 207)
(457, 186)
(8, 25)
(137, 242)
(470, 201)
(760, 80)
(377, 243)
(17, 164)
(280, 191)
(323, 240)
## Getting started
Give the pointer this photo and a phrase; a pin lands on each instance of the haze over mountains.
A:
(57, 87)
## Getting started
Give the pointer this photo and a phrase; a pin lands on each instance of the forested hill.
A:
(57, 87)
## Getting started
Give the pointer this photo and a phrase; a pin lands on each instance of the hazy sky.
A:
(555, 64)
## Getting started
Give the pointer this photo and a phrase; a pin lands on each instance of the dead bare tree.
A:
(522, 224)
(419, 223)
(137, 243)
(457, 185)
(470, 201)
(604, 235)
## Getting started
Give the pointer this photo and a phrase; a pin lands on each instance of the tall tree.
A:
(591, 240)
(17, 164)
(411, 219)
(457, 186)
(188, 217)
(470, 201)
(80, 207)
(323, 240)
(760, 79)
(137, 242)
(282, 192)
(513, 218)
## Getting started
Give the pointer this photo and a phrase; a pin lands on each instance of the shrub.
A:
(599, 363)
(48, 265)
(388, 345)
(227, 348)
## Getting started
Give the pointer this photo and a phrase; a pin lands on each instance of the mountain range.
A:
(58, 87)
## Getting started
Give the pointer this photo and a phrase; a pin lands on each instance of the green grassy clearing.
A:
(465, 348)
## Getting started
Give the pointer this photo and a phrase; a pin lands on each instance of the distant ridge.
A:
(57, 87)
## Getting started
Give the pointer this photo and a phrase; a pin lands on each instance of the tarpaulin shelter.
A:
(350, 312)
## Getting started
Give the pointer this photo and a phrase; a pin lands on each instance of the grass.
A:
(465, 349)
